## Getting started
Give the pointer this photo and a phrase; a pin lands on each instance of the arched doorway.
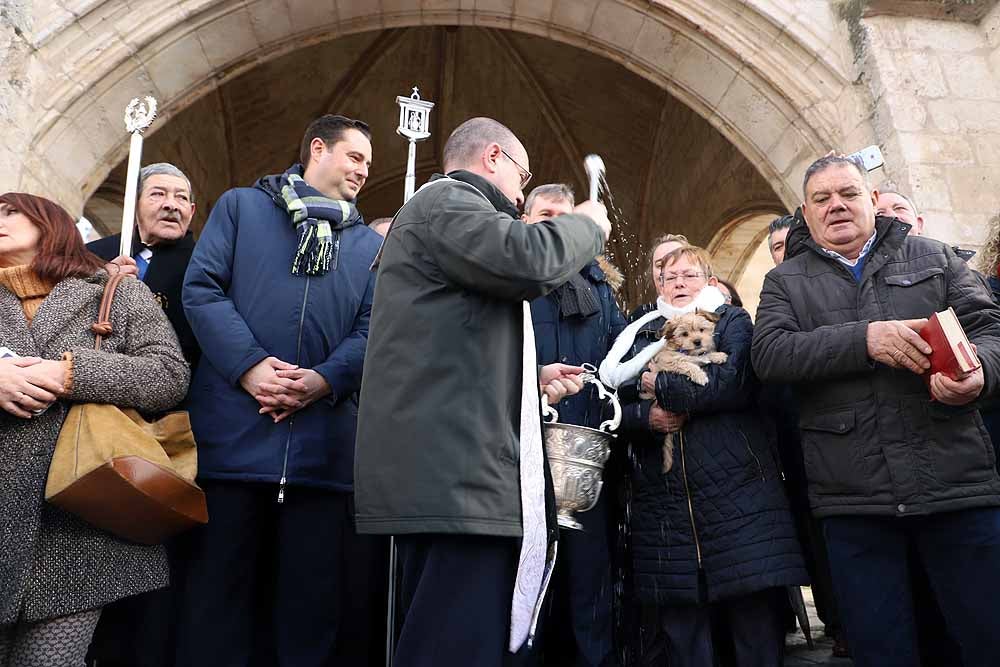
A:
(668, 168)
(771, 96)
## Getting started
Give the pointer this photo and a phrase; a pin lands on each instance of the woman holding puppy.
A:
(711, 529)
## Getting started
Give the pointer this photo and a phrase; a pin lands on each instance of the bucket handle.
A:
(548, 411)
(589, 376)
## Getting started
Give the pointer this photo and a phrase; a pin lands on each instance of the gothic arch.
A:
(747, 66)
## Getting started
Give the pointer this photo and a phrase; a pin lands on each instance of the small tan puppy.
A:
(690, 345)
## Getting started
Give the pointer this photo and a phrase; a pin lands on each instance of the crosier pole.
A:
(139, 115)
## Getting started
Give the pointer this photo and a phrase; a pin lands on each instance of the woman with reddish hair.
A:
(57, 572)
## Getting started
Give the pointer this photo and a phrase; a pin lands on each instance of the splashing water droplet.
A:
(624, 249)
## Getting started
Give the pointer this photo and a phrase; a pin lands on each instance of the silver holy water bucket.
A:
(577, 455)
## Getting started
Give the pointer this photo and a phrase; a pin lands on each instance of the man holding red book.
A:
(893, 472)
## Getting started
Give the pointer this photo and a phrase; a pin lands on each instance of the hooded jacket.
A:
(579, 339)
(245, 305)
(438, 440)
(873, 441)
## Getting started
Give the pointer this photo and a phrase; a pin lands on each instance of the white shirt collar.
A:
(852, 262)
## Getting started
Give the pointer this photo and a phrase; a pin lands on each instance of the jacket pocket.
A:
(832, 454)
(917, 293)
(961, 450)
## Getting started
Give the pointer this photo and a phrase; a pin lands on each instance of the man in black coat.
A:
(138, 631)
(162, 245)
(890, 468)
(780, 403)
(442, 435)
(576, 323)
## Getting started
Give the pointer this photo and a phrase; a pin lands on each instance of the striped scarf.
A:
(318, 220)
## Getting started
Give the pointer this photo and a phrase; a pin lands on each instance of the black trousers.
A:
(958, 551)
(267, 583)
(455, 595)
(755, 628)
(576, 629)
(139, 631)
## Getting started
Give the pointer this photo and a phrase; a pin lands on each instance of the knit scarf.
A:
(318, 219)
(576, 298)
(614, 371)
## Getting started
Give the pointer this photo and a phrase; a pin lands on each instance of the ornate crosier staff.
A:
(414, 125)
(139, 115)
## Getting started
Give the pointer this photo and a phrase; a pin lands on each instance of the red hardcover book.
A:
(951, 354)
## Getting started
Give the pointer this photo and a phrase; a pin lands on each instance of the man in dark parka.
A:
(282, 324)
(892, 463)
(439, 425)
(575, 324)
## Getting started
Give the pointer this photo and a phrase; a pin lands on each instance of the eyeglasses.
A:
(688, 276)
(525, 174)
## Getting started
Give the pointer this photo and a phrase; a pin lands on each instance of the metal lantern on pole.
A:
(414, 125)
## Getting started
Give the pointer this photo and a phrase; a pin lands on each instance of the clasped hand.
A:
(28, 385)
(282, 389)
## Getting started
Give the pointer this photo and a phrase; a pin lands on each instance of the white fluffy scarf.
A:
(614, 372)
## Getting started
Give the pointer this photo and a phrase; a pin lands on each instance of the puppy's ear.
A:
(709, 315)
(667, 330)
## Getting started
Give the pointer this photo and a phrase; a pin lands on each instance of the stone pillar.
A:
(15, 24)
(936, 87)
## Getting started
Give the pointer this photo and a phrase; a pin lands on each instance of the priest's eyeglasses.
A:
(687, 276)
(525, 174)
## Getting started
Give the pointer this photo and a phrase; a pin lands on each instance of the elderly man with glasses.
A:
(449, 452)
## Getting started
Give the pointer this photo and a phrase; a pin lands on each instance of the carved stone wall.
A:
(780, 81)
(936, 86)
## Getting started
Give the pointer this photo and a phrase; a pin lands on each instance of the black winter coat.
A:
(577, 340)
(165, 278)
(989, 408)
(873, 441)
(722, 506)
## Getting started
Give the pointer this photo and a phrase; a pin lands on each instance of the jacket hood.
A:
(612, 275)
(889, 230)
(490, 191)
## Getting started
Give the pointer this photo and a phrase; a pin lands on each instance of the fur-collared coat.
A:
(51, 563)
(580, 339)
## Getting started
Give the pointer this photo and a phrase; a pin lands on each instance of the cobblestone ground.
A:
(797, 651)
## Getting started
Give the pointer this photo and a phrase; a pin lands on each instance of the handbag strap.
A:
(102, 327)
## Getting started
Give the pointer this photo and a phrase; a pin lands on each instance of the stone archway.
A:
(770, 78)
(737, 240)
(740, 254)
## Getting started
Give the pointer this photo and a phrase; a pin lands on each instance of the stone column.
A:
(936, 86)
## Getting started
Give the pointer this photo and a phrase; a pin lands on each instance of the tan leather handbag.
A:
(121, 473)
